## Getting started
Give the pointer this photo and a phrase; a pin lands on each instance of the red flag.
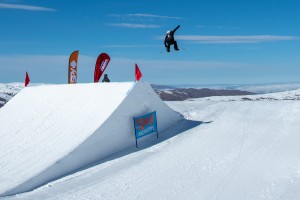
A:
(138, 74)
(101, 64)
(27, 79)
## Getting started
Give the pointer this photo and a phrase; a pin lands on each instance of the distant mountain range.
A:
(180, 94)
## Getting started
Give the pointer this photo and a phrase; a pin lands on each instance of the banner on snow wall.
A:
(145, 125)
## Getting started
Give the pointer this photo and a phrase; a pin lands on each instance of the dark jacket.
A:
(105, 79)
(169, 39)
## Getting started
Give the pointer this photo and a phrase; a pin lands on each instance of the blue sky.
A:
(221, 42)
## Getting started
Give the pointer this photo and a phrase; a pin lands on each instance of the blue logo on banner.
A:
(145, 125)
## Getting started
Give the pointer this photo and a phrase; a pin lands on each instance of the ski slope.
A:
(50, 131)
(239, 149)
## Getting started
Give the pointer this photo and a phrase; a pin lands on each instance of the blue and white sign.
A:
(145, 125)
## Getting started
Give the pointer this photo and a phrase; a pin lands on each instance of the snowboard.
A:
(166, 52)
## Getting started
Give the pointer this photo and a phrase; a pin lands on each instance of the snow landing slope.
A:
(55, 130)
(242, 150)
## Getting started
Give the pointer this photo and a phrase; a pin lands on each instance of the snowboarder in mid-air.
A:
(169, 40)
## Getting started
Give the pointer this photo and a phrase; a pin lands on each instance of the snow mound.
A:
(7, 91)
(50, 131)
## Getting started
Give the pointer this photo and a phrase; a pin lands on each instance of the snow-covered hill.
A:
(59, 129)
(7, 91)
(229, 148)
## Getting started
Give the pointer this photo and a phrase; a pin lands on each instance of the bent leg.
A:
(175, 46)
(168, 47)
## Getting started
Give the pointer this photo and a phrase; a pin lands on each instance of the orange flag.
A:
(138, 74)
(27, 79)
(72, 72)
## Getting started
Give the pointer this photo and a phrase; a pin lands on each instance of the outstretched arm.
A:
(176, 28)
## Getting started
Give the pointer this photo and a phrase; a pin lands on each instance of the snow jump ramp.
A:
(49, 131)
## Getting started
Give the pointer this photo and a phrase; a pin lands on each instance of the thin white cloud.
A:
(141, 15)
(217, 27)
(130, 46)
(24, 7)
(128, 25)
(139, 20)
(153, 16)
(233, 39)
(200, 26)
(268, 88)
(227, 27)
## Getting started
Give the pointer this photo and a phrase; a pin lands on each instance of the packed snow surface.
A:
(241, 148)
(50, 131)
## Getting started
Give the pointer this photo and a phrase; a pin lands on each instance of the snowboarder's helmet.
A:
(168, 32)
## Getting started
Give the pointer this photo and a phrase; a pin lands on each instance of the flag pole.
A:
(136, 144)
